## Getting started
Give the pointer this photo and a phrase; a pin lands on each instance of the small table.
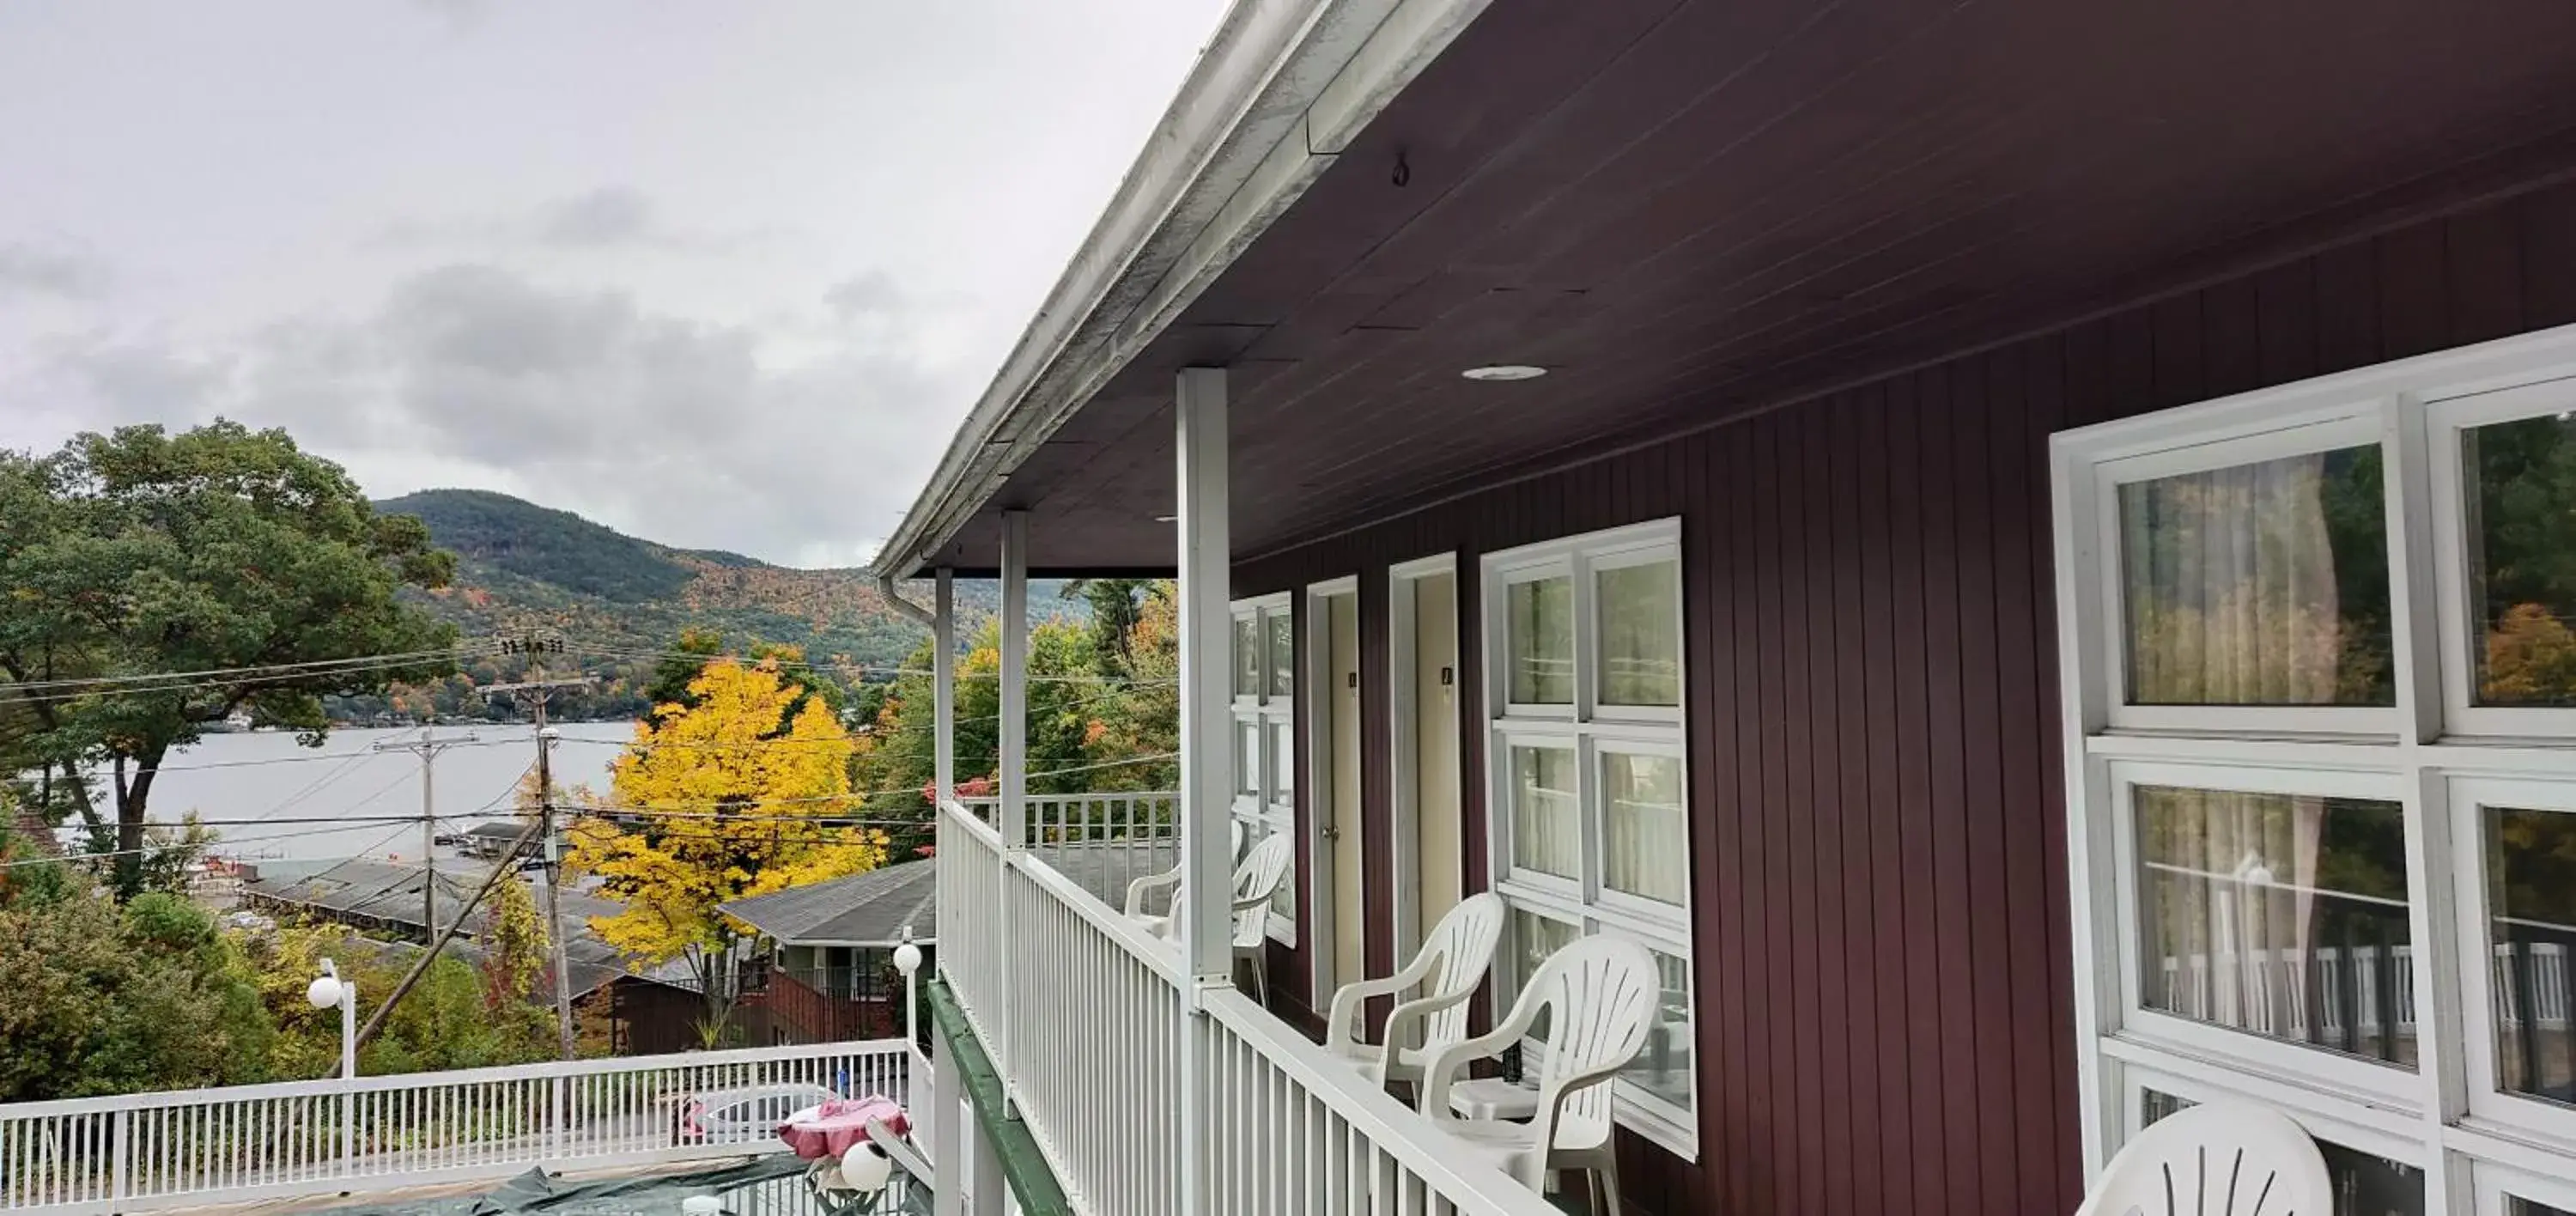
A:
(1493, 1098)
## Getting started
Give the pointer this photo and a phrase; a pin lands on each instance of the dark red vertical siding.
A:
(1878, 852)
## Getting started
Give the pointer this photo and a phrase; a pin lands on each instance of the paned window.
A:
(2319, 658)
(1588, 795)
(1265, 714)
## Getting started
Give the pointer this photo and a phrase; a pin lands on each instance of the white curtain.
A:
(2233, 600)
(1547, 819)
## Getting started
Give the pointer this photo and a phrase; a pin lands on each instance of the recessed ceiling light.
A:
(1505, 371)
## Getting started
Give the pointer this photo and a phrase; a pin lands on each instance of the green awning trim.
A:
(1023, 1166)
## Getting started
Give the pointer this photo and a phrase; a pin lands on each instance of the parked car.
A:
(737, 1116)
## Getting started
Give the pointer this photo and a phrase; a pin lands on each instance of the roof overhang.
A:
(1691, 210)
(1278, 93)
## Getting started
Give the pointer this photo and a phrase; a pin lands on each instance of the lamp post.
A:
(326, 990)
(907, 959)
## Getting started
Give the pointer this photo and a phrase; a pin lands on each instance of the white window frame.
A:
(1272, 719)
(2439, 756)
(2497, 1182)
(2444, 422)
(2470, 796)
(2342, 429)
(2255, 1052)
(1583, 728)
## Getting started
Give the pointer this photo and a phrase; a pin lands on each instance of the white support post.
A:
(1012, 822)
(1011, 816)
(989, 1186)
(943, 680)
(1202, 911)
(1204, 917)
(948, 1129)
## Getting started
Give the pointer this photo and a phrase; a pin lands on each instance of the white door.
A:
(1342, 735)
(1431, 853)
(1436, 795)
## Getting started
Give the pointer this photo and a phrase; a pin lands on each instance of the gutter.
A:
(1282, 89)
(911, 611)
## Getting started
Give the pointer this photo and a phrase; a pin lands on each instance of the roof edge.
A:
(1277, 95)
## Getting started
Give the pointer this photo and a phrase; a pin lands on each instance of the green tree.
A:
(698, 646)
(898, 754)
(97, 999)
(1115, 604)
(143, 553)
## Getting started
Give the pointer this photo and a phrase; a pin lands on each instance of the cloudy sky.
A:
(718, 275)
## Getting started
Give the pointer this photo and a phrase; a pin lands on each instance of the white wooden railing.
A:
(1120, 818)
(195, 1147)
(1095, 1022)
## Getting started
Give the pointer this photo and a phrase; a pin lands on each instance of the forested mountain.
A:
(616, 600)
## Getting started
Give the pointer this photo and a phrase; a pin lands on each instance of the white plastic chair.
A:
(1600, 995)
(1256, 880)
(2217, 1159)
(1453, 960)
(1137, 890)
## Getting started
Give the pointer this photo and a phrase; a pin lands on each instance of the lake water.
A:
(235, 781)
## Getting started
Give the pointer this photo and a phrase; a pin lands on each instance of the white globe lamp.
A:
(865, 1169)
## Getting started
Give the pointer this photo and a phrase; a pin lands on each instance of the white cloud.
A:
(685, 431)
(31, 270)
(722, 277)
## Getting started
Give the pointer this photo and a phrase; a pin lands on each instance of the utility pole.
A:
(536, 649)
(427, 748)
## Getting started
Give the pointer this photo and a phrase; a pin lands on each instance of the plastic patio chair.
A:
(2216, 1159)
(1601, 995)
(1256, 880)
(1453, 960)
(1137, 890)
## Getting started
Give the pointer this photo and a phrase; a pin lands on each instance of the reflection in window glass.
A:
(1247, 656)
(1640, 634)
(2280, 915)
(2524, 1207)
(2262, 584)
(1664, 1068)
(2364, 1185)
(1539, 632)
(1644, 842)
(1283, 652)
(1546, 822)
(1535, 937)
(2531, 917)
(2522, 558)
(1283, 764)
(1247, 760)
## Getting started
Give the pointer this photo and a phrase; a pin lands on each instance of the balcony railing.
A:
(1088, 1019)
(196, 1147)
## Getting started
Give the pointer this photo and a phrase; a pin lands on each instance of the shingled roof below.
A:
(872, 909)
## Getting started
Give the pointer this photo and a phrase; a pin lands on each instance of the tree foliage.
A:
(1100, 717)
(729, 798)
(443, 1023)
(101, 999)
(141, 553)
(514, 950)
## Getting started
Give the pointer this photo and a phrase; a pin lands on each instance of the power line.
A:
(319, 756)
(856, 795)
(168, 685)
(166, 845)
(396, 656)
(861, 668)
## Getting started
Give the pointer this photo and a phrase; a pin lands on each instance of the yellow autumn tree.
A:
(740, 794)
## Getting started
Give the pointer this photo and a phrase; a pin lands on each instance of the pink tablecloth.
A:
(830, 1129)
